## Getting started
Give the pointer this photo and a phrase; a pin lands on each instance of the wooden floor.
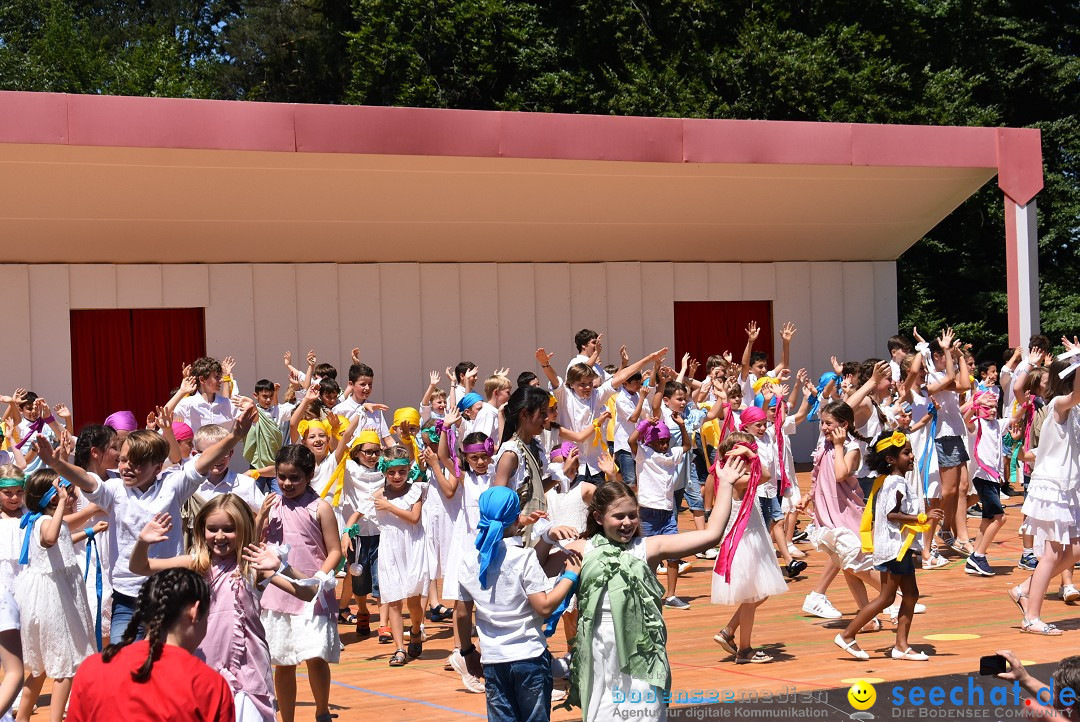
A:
(364, 687)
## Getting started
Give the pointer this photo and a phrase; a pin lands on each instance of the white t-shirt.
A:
(766, 451)
(361, 484)
(9, 611)
(486, 422)
(656, 474)
(373, 420)
(508, 627)
(130, 510)
(596, 367)
(988, 450)
(242, 485)
(950, 420)
(887, 538)
(197, 412)
(625, 403)
(576, 413)
(747, 383)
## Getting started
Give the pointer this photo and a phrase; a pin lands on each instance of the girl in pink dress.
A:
(236, 571)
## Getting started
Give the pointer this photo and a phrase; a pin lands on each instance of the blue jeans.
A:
(123, 609)
(589, 475)
(625, 461)
(519, 691)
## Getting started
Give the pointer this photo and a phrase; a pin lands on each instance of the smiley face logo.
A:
(862, 695)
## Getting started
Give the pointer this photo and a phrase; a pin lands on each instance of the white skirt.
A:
(1051, 515)
(615, 695)
(293, 638)
(791, 499)
(754, 572)
(246, 711)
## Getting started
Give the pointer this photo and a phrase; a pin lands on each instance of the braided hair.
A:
(844, 414)
(162, 599)
(92, 436)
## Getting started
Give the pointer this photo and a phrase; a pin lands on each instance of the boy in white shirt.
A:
(628, 403)
(509, 589)
(206, 405)
(361, 381)
(133, 498)
(981, 419)
(589, 345)
(220, 479)
(658, 465)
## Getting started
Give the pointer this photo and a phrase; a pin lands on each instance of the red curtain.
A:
(704, 328)
(130, 359)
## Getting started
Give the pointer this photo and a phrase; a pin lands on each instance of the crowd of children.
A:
(509, 508)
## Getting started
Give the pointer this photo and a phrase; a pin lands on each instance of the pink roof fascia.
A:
(97, 120)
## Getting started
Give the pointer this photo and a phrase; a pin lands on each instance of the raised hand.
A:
(157, 529)
(356, 355)
(502, 371)
(65, 445)
(164, 416)
(227, 365)
(312, 359)
(752, 331)
(189, 385)
(434, 378)
(261, 558)
(692, 368)
(452, 416)
(787, 331)
(44, 450)
(449, 372)
(287, 358)
(837, 367)
(946, 339)
(882, 371)
(624, 356)
(543, 356)
(915, 334)
(62, 411)
(732, 470)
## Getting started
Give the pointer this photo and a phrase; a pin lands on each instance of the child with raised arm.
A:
(140, 492)
(361, 381)
(981, 419)
(206, 405)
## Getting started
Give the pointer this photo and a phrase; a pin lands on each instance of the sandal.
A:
(416, 649)
(726, 640)
(911, 655)
(874, 625)
(1018, 599)
(398, 659)
(439, 614)
(346, 617)
(849, 647)
(1038, 626)
(385, 635)
(964, 548)
(758, 657)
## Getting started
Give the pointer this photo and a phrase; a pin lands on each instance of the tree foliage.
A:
(954, 62)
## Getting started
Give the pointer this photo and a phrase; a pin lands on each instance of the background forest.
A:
(951, 62)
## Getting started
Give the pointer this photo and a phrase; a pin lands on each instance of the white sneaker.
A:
(472, 684)
(818, 605)
(894, 610)
(662, 569)
(1069, 593)
(558, 695)
(795, 552)
(684, 567)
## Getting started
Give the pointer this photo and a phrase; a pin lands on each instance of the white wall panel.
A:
(359, 318)
(657, 307)
(624, 325)
(440, 319)
(886, 321)
(185, 286)
(50, 334)
(691, 282)
(93, 286)
(588, 305)
(317, 320)
(759, 283)
(517, 319)
(860, 341)
(230, 322)
(276, 317)
(138, 286)
(15, 363)
(479, 310)
(554, 326)
(401, 375)
(793, 304)
(827, 306)
(725, 282)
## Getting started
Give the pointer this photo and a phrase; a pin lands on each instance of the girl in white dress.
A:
(1052, 506)
(56, 623)
(746, 573)
(442, 507)
(569, 507)
(403, 566)
(11, 512)
(620, 666)
(10, 654)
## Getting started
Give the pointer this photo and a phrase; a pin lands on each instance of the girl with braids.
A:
(157, 678)
(297, 631)
(891, 525)
(236, 570)
(403, 570)
(621, 639)
(56, 619)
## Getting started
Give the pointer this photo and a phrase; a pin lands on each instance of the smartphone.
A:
(992, 664)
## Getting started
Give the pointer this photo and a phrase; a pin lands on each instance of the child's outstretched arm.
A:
(187, 387)
(75, 474)
(544, 359)
(209, 458)
(1062, 404)
(343, 445)
(433, 383)
(786, 333)
(675, 546)
(621, 376)
(268, 568)
(752, 332)
(155, 531)
(544, 603)
(300, 411)
(412, 514)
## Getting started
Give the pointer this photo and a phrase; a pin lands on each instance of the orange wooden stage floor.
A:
(364, 687)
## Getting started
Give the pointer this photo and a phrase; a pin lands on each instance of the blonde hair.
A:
(10, 471)
(242, 518)
(579, 372)
(209, 435)
(397, 451)
(494, 383)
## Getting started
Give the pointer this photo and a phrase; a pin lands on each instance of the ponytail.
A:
(162, 599)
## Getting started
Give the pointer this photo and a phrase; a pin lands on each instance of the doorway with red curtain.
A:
(130, 359)
(705, 328)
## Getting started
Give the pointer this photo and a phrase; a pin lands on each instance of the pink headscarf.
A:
(649, 432)
(122, 421)
(751, 415)
(982, 412)
(182, 431)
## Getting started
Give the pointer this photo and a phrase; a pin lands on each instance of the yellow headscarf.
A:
(407, 415)
(336, 485)
(303, 426)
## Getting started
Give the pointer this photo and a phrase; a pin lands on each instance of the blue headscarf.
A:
(499, 508)
(468, 401)
(821, 384)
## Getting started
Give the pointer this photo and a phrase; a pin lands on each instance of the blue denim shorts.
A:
(365, 552)
(658, 522)
(625, 461)
(770, 509)
(951, 452)
(519, 691)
